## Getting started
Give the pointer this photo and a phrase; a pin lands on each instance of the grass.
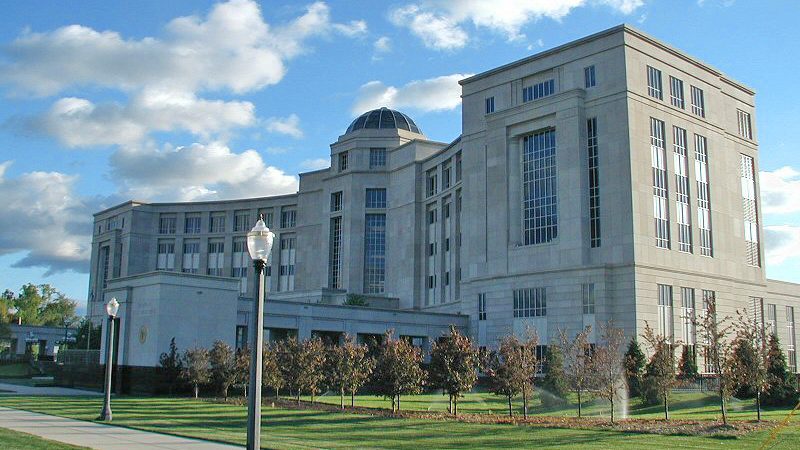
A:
(15, 440)
(296, 429)
(15, 370)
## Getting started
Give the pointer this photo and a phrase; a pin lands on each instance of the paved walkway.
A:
(96, 435)
(15, 389)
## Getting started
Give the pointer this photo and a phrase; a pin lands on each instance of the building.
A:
(35, 341)
(610, 178)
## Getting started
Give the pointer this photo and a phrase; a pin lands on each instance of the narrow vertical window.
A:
(688, 316)
(540, 214)
(336, 201)
(240, 262)
(335, 257)
(433, 263)
(594, 183)
(288, 217)
(703, 195)
(342, 161)
(481, 306)
(654, 83)
(166, 224)
(166, 255)
(377, 158)
(660, 202)
(191, 256)
(665, 324)
(587, 296)
(791, 353)
(458, 167)
(191, 224)
(216, 251)
(676, 92)
(745, 127)
(241, 221)
(374, 253)
(588, 77)
(446, 174)
(489, 105)
(217, 223)
(772, 319)
(266, 215)
(698, 102)
(682, 210)
(287, 262)
(750, 211)
(430, 182)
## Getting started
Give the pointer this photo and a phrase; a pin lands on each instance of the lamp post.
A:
(259, 245)
(111, 308)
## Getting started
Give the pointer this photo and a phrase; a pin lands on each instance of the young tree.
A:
(196, 369)
(515, 369)
(577, 362)
(271, 372)
(555, 380)
(454, 366)
(782, 390)
(171, 366)
(311, 361)
(634, 367)
(288, 354)
(607, 364)
(223, 366)
(241, 369)
(502, 377)
(348, 367)
(714, 333)
(659, 377)
(687, 367)
(751, 362)
(397, 370)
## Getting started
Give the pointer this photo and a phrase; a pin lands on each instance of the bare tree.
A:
(577, 362)
(751, 362)
(398, 370)
(196, 369)
(348, 367)
(607, 364)
(223, 366)
(714, 334)
(660, 371)
(454, 366)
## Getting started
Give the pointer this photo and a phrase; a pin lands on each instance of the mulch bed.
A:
(649, 426)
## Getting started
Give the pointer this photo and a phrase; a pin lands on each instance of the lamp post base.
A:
(105, 414)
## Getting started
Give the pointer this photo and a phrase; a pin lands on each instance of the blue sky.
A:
(105, 101)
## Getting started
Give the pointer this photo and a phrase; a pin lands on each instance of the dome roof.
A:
(383, 118)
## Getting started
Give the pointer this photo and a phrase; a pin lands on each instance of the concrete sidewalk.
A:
(15, 389)
(96, 435)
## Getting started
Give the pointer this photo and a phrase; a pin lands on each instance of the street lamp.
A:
(259, 245)
(111, 309)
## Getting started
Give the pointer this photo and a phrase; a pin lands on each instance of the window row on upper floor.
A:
(449, 171)
(217, 221)
(545, 88)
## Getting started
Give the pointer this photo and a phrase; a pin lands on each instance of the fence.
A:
(77, 357)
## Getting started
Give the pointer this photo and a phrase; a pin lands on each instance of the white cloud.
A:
(43, 216)
(285, 125)
(383, 44)
(316, 163)
(781, 243)
(197, 172)
(439, 23)
(351, 29)
(779, 191)
(434, 94)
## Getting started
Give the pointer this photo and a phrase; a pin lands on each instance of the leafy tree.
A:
(311, 362)
(348, 367)
(59, 312)
(241, 370)
(397, 370)
(288, 352)
(88, 335)
(634, 367)
(577, 362)
(782, 390)
(196, 370)
(659, 376)
(751, 361)
(555, 380)
(271, 372)
(687, 367)
(453, 366)
(170, 365)
(6, 302)
(514, 369)
(356, 300)
(714, 333)
(222, 359)
(608, 364)
(43, 305)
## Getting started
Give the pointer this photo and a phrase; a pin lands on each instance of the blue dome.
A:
(383, 118)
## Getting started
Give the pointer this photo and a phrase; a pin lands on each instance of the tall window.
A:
(481, 306)
(191, 224)
(703, 194)
(105, 259)
(288, 217)
(587, 298)
(336, 201)
(216, 255)
(240, 263)
(377, 157)
(698, 102)
(191, 256)
(458, 167)
(791, 354)
(540, 215)
(688, 316)
(665, 324)
(660, 207)
(654, 83)
(772, 319)
(335, 256)
(588, 77)
(241, 221)
(750, 210)
(430, 182)
(446, 174)
(594, 183)
(217, 223)
(166, 224)
(166, 255)
(287, 262)
(676, 92)
(342, 161)
(682, 211)
(708, 300)
(489, 105)
(374, 253)
(375, 198)
(266, 215)
(745, 127)
(539, 90)
(531, 302)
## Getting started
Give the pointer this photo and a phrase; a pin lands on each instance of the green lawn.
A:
(286, 428)
(14, 440)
